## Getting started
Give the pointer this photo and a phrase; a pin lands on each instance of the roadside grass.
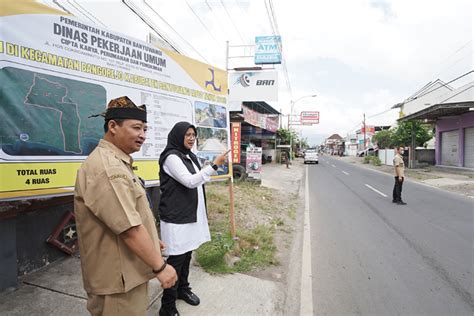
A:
(420, 175)
(259, 212)
(372, 159)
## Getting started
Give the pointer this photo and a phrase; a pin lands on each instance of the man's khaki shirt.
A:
(108, 200)
(398, 162)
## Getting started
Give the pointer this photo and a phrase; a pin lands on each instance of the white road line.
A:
(346, 173)
(306, 292)
(333, 166)
(375, 190)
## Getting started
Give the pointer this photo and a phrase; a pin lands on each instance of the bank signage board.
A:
(253, 86)
(267, 50)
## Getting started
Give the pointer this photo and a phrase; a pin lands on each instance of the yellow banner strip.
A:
(49, 175)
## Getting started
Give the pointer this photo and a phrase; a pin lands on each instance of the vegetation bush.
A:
(376, 161)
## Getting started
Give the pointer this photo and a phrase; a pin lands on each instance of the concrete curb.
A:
(306, 301)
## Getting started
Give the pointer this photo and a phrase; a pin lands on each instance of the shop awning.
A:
(439, 110)
(261, 107)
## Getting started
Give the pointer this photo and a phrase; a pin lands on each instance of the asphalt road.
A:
(373, 257)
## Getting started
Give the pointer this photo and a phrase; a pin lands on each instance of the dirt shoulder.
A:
(455, 180)
(270, 208)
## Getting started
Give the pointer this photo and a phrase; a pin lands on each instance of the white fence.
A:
(386, 156)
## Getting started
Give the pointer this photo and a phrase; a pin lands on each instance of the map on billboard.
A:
(45, 115)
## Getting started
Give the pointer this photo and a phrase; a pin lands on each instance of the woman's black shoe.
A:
(189, 297)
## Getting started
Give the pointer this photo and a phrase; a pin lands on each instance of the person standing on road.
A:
(118, 239)
(183, 215)
(286, 155)
(399, 166)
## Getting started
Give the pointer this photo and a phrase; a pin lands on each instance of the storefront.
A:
(455, 145)
(454, 121)
(259, 123)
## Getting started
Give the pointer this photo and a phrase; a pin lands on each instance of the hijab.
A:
(175, 144)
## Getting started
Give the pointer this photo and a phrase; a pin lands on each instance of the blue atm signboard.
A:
(267, 50)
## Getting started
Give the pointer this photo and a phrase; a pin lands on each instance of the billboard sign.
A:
(267, 50)
(368, 129)
(254, 162)
(309, 117)
(253, 86)
(56, 71)
(268, 122)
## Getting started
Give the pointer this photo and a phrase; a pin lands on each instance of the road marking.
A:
(375, 190)
(306, 292)
(333, 166)
(346, 173)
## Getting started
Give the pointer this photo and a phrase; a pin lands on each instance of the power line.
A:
(383, 112)
(84, 9)
(454, 64)
(177, 33)
(274, 27)
(232, 21)
(82, 13)
(135, 10)
(216, 17)
(245, 12)
(56, 2)
(202, 23)
(454, 53)
(374, 115)
(443, 85)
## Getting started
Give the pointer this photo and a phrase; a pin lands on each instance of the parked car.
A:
(311, 156)
(299, 153)
(366, 152)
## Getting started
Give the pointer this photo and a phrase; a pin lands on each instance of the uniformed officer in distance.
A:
(118, 240)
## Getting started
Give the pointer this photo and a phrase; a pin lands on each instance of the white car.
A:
(310, 156)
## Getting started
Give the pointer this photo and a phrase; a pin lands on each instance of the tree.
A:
(384, 139)
(286, 136)
(402, 136)
(303, 143)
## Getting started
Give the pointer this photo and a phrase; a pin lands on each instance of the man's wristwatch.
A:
(160, 269)
(215, 167)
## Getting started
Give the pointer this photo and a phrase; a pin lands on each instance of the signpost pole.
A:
(231, 178)
(232, 212)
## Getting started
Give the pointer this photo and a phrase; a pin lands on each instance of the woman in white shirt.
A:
(182, 208)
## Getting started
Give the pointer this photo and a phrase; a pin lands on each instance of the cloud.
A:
(359, 56)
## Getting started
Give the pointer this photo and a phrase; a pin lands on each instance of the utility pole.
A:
(290, 117)
(281, 118)
(412, 151)
(365, 144)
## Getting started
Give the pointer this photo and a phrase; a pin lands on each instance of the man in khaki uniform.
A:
(118, 240)
(399, 173)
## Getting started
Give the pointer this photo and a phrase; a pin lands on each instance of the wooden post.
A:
(232, 214)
